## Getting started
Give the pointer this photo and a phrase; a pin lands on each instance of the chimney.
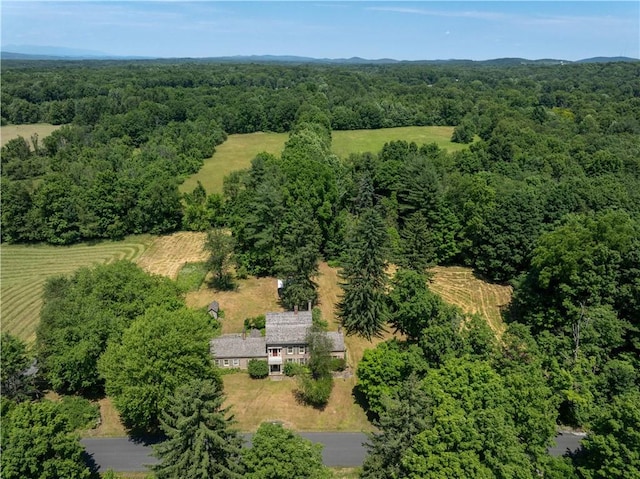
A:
(244, 334)
(309, 305)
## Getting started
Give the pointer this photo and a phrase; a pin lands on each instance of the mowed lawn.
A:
(9, 132)
(237, 151)
(25, 268)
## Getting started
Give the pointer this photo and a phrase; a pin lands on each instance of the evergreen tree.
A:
(418, 251)
(399, 424)
(201, 443)
(363, 309)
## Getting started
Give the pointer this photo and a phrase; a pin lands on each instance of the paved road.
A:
(340, 449)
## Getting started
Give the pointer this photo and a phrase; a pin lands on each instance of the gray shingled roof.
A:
(233, 346)
(289, 327)
(337, 339)
(288, 317)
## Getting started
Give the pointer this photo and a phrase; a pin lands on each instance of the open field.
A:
(25, 268)
(357, 141)
(459, 286)
(168, 254)
(9, 132)
(234, 154)
(237, 152)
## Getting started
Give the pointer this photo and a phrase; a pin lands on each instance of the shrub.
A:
(293, 369)
(338, 364)
(258, 368)
(80, 412)
(259, 322)
(315, 392)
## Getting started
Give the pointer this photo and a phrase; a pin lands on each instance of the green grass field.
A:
(234, 154)
(25, 268)
(237, 152)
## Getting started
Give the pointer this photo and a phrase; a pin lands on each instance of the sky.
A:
(414, 30)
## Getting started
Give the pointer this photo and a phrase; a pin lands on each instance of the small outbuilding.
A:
(214, 309)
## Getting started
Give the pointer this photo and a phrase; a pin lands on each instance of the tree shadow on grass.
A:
(361, 400)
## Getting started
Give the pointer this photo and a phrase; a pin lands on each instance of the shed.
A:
(214, 309)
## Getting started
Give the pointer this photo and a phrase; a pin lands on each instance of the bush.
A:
(80, 412)
(315, 392)
(259, 322)
(293, 369)
(258, 368)
(338, 364)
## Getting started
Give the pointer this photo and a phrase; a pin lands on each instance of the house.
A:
(284, 342)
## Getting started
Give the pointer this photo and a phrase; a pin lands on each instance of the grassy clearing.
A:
(234, 154)
(237, 152)
(355, 141)
(25, 268)
(459, 286)
(9, 132)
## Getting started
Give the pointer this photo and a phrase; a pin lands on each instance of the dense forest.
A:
(545, 198)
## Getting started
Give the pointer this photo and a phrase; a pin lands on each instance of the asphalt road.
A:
(341, 449)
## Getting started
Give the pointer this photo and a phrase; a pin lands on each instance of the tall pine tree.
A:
(201, 443)
(363, 309)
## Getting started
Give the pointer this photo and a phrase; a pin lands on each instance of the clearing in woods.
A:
(9, 132)
(237, 151)
(459, 286)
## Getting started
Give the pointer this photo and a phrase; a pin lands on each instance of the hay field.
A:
(237, 152)
(25, 268)
(9, 132)
(459, 286)
(168, 254)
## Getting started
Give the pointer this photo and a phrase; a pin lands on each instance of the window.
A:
(218, 363)
(236, 363)
(290, 350)
(226, 363)
(301, 349)
(303, 361)
(290, 360)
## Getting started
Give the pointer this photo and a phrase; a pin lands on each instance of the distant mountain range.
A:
(34, 52)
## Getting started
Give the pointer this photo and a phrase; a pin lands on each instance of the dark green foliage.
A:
(278, 453)
(82, 313)
(80, 412)
(160, 351)
(412, 306)
(293, 369)
(258, 369)
(14, 363)
(315, 388)
(200, 442)
(319, 347)
(258, 322)
(37, 442)
(399, 424)
(315, 392)
(362, 309)
(338, 364)
(219, 245)
(612, 448)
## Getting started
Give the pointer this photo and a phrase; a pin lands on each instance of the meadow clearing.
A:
(238, 150)
(9, 132)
